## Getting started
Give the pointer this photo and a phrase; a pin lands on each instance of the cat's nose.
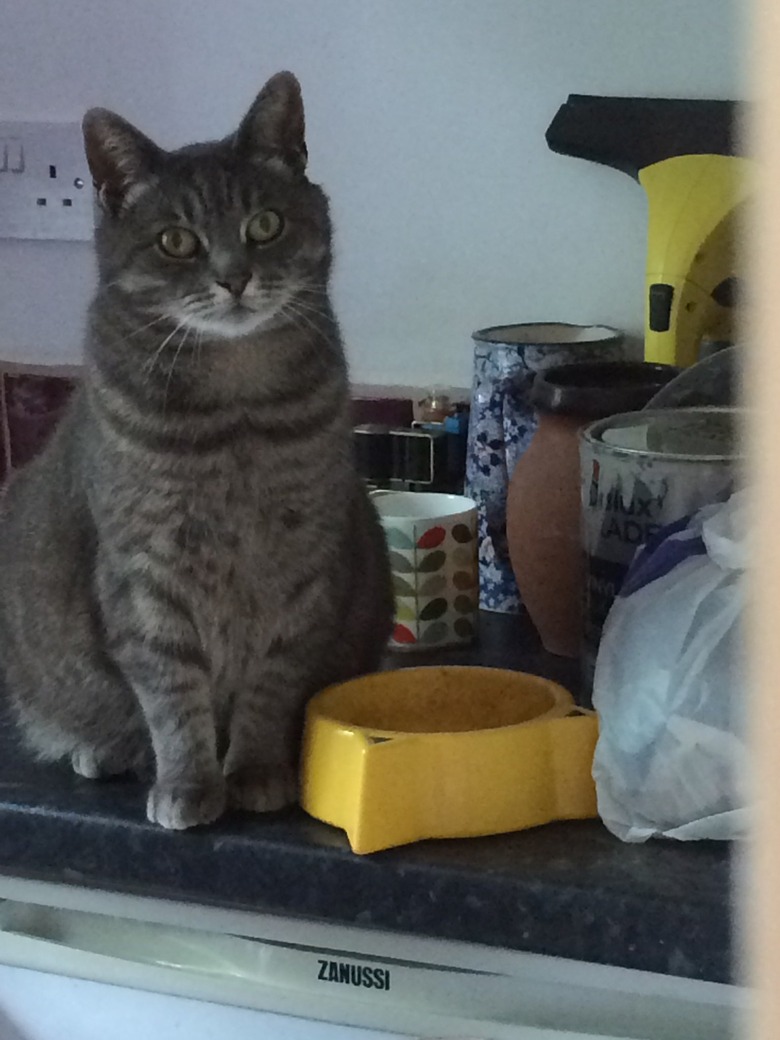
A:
(235, 284)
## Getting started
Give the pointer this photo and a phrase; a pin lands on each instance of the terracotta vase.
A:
(543, 505)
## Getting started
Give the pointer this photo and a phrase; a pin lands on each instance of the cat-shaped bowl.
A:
(445, 752)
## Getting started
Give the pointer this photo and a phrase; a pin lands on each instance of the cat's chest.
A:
(226, 527)
(231, 526)
(241, 550)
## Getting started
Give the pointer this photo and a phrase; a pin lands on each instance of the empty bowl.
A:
(445, 752)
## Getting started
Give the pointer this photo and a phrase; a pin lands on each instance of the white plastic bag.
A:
(669, 688)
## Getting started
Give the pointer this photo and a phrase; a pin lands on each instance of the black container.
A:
(596, 389)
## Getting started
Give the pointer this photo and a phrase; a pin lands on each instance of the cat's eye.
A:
(179, 243)
(264, 227)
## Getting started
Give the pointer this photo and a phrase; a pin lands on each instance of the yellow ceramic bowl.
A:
(445, 752)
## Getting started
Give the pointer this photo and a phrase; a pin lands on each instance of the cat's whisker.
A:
(309, 309)
(280, 280)
(311, 299)
(149, 366)
(108, 285)
(304, 289)
(311, 305)
(122, 283)
(296, 317)
(139, 330)
(199, 348)
(182, 341)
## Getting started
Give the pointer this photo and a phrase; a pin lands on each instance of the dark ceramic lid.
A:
(596, 389)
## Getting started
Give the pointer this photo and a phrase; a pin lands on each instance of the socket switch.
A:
(45, 185)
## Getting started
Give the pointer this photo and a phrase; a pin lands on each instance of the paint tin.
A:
(640, 472)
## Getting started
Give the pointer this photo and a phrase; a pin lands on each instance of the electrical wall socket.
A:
(45, 185)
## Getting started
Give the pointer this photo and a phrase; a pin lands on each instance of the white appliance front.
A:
(76, 963)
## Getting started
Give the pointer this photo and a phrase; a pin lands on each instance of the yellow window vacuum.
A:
(684, 153)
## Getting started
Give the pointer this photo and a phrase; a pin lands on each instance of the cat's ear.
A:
(273, 128)
(121, 159)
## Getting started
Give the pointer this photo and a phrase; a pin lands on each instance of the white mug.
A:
(432, 542)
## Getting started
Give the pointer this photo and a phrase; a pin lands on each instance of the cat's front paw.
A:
(93, 764)
(177, 806)
(87, 764)
(263, 790)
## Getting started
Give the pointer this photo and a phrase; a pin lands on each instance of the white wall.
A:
(426, 125)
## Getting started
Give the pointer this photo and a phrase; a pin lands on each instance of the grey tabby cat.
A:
(193, 555)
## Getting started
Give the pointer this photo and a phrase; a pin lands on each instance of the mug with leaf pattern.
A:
(432, 543)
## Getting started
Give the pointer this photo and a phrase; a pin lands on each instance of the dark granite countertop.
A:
(569, 890)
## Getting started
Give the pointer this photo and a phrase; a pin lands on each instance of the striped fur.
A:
(193, 554)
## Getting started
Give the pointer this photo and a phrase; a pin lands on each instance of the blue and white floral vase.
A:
(502, 423)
